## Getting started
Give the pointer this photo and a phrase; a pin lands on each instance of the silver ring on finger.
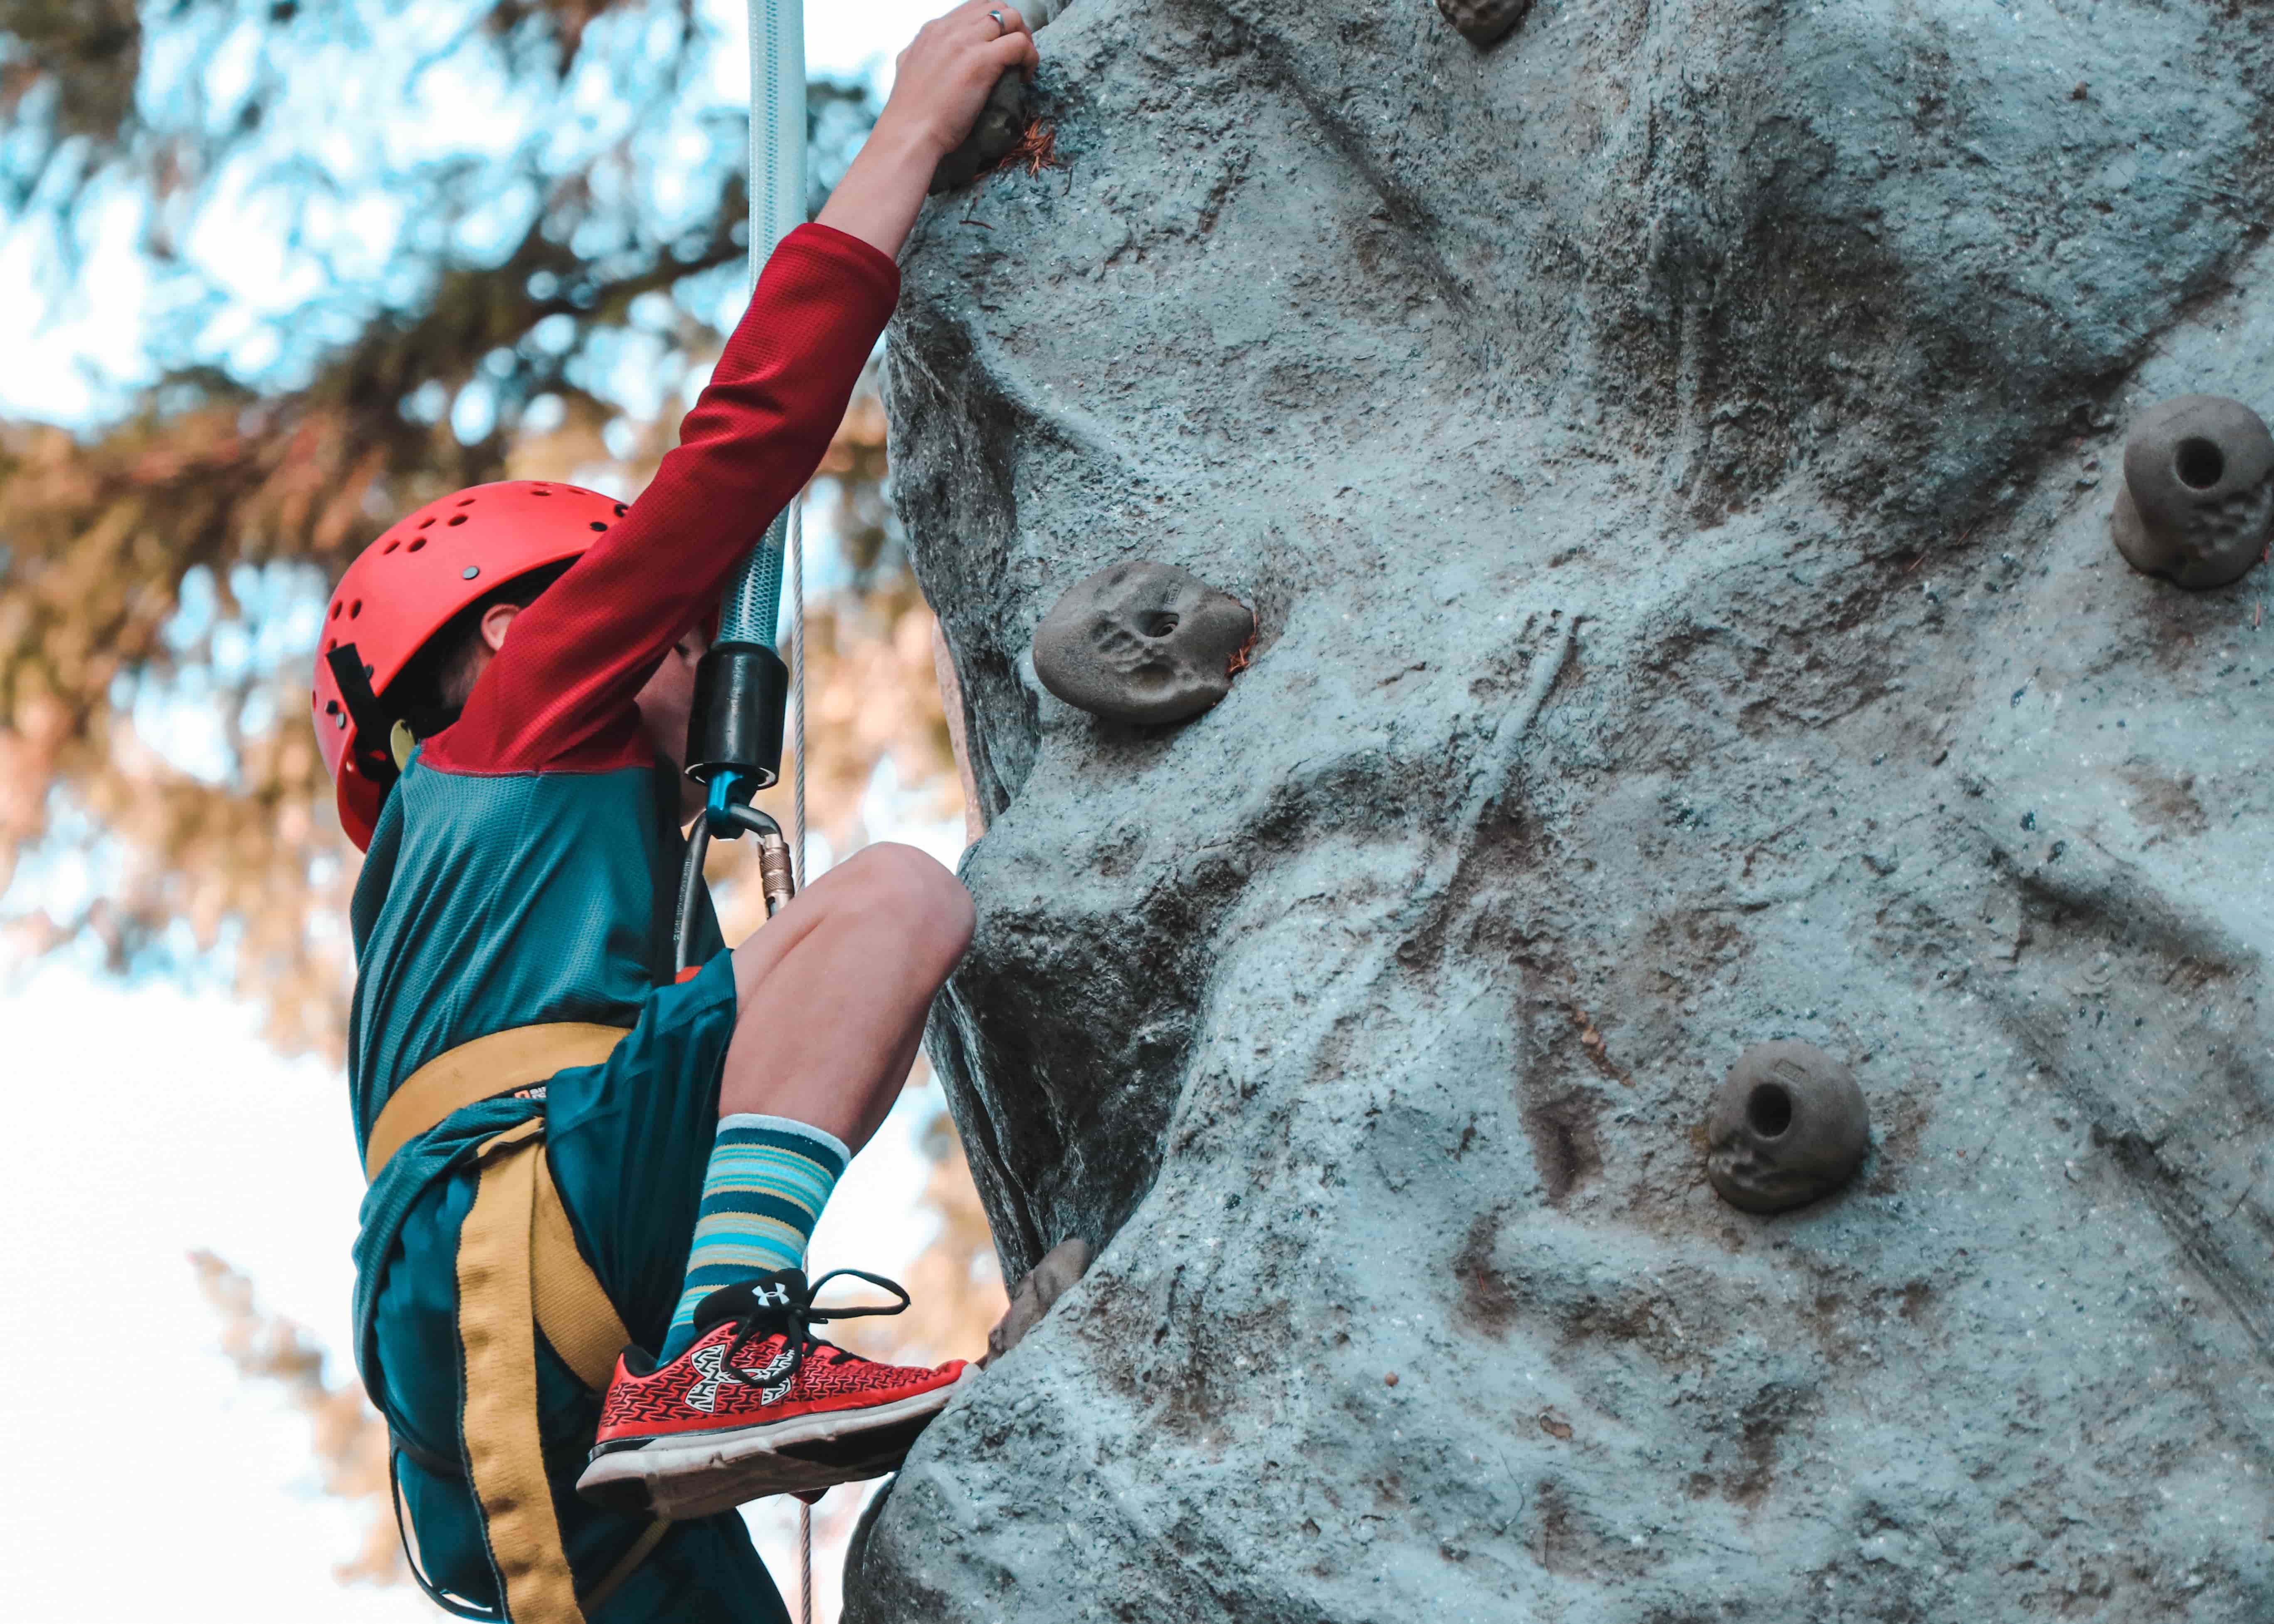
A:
(1001, 27)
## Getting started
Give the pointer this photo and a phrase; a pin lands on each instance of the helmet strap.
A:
(374, 728)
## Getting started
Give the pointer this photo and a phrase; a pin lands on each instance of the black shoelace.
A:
(758, 1317)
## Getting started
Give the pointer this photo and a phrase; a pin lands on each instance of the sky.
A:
(149, 1120)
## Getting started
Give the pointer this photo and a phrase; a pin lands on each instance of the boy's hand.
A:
(945, 78)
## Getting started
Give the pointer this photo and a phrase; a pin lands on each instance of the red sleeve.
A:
(559, 694)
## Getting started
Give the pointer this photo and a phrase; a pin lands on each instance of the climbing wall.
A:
(1669, 452)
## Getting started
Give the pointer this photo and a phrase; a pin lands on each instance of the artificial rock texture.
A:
(1671, 458)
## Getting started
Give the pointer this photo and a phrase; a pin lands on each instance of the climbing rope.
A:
(777, 189)
(804, 1563)
(796, 544)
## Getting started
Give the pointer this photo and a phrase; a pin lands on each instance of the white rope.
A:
(794, 544)
(777, 189)
(805, 1563)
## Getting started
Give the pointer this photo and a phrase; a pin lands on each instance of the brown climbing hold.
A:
(1788, 1126)
(2197, 505)
(1142, 642)
(1002, 124)
(1048, 1281)
(1483, 23)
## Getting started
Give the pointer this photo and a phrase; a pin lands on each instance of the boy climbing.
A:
(571, 1154)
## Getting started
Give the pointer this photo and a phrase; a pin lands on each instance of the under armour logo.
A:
(710, 1374)
(770, 1296)
(710, 1370)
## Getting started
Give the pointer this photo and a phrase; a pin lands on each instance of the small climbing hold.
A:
(2197, 505)
(1391, 1380)
(1788, 1126)
(1002, 123)
(1483, 23)
(1142, 642)
(1048, 1281)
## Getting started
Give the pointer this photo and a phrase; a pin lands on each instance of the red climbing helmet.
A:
(404, 588)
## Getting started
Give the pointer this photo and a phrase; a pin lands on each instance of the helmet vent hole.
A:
(541, 491)
(417, 542)
(1769, 1110)
(457, 518)
(428, 520)
(621, 510)
(355, 609)
(335, 612)
(598, 525)
(332, 708)
(465, 502)
(391, 547)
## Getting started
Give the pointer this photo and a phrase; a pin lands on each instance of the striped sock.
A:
(767, 1181)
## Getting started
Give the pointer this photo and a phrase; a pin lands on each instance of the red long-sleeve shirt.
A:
(524, 866)
(558, 696)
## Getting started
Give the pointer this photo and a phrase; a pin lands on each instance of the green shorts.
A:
(629, 1141)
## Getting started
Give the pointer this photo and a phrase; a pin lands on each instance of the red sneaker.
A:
(758, 1406)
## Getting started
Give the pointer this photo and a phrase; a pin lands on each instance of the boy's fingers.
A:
(1015, 50)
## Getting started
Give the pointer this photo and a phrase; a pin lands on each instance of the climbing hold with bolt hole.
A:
(1788, 1126)
(1142, 642)
(1484, 22)
(2197, 505)
(1048, 1281)
(1002, 125)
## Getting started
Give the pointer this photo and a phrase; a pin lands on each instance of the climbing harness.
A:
(519, 1274)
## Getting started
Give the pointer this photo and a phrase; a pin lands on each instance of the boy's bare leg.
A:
(834, 990)
(742, 1401)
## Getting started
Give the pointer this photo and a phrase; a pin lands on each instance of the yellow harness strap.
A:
(504, 1455)
(518, 1057)
(519, 1272)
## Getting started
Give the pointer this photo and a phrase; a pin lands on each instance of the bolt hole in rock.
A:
(2200, 463)
(1770, 1111)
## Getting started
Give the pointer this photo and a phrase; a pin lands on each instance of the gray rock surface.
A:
(1671, 457)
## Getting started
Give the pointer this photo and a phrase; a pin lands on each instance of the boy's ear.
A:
(496, 620)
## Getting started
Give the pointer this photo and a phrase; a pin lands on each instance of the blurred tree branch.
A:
(350, 1442)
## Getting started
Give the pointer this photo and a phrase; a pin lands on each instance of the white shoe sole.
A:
(694, 1474)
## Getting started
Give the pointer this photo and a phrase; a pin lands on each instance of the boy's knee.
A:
(917, 891)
